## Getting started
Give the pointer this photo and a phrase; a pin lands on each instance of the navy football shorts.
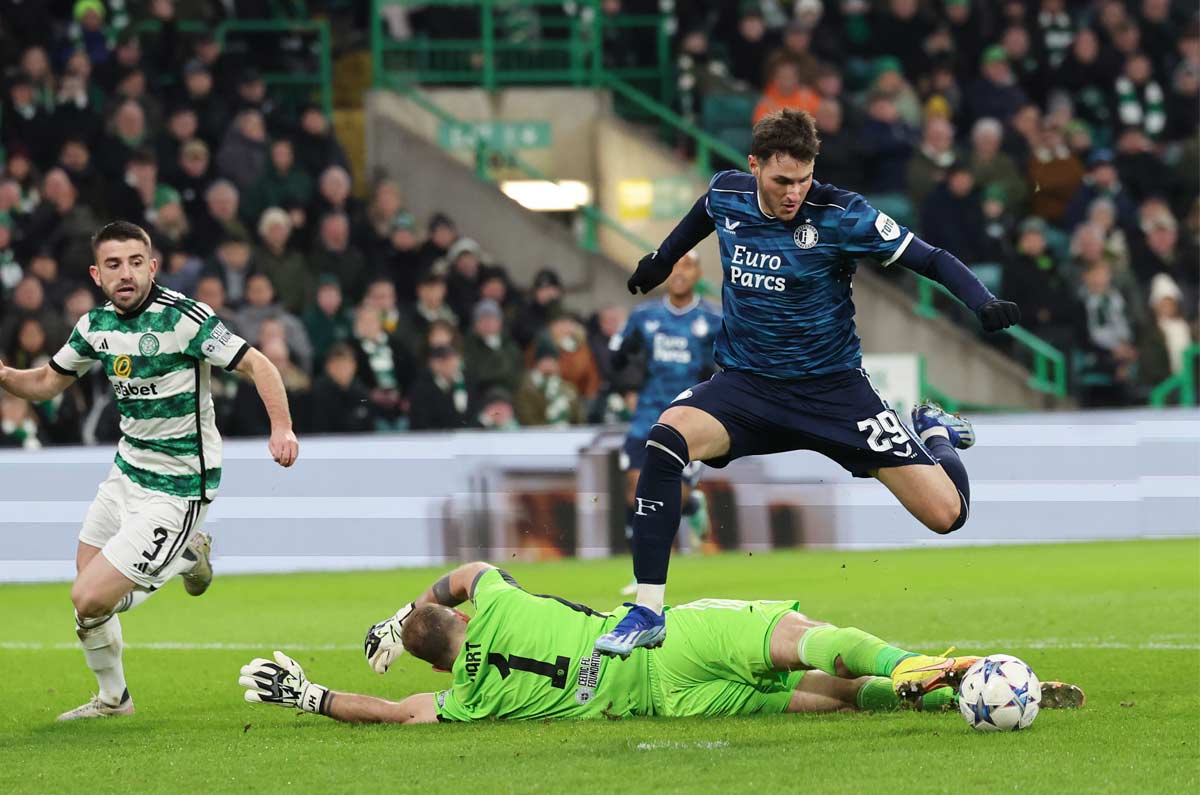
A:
(839, 415)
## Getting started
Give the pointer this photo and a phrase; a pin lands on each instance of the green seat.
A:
(897, 205)
(723, 111)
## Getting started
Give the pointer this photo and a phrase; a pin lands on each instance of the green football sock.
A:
(939, 699)
(877, 695)
(862, 654)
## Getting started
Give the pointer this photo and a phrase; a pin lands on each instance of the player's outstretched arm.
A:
(40, 383)
(948, 270)
(654, 268)
(455, 587)
(284, 446)
(282, 682)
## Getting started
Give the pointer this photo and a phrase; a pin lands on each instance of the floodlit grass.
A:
(1120, 619)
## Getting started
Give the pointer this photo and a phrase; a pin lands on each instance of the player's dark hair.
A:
(427, 634)
(786, 132)
(119, 231)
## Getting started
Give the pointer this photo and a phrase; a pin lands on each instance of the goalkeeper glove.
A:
(383, 644)
(283, 683)
(651, 272)
(997, 314)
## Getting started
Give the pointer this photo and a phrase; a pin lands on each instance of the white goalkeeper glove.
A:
(282, 682)
(383, 644)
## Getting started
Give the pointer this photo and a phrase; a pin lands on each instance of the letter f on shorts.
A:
(652, 505)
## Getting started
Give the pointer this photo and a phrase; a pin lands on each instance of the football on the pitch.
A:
(1000, 693)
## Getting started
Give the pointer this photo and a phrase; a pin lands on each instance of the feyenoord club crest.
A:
(700, 327)
(805, 236)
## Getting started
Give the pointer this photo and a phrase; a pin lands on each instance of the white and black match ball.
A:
(1000, 693)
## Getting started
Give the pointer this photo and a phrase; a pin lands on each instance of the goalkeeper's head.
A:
(435, 634)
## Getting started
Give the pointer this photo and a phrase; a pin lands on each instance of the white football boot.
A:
(95, 708)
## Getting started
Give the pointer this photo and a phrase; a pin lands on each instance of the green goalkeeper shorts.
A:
(716, 660)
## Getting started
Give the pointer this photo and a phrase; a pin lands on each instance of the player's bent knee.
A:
(89, 604)
(947, 516)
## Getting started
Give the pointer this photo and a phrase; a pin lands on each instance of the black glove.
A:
(997, 314)
(651, 272)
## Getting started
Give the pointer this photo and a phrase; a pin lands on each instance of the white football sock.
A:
(936, 430)
(132, 600)
(102, 651)
(651, 596)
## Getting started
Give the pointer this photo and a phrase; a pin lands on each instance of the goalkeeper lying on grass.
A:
(526, 656)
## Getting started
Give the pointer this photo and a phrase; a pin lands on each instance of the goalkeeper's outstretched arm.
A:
(353, 708)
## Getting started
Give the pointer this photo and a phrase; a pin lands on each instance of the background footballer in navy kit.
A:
(790, 358)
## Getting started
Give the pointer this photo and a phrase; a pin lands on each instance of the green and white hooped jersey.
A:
(157, 358)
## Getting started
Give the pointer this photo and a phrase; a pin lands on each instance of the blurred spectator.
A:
(1161, 251)
(340, 403)
(136, 196)
(75, 112)
(382, 366)
(928, 165)
(749, 46)
(44, 268)
(797, 48)
(231, 264)
(885, 142)
(1107, 330)
(1141, 101)
(1087, 73)
(576, 364)
(544, 398)
(242, 158)
(991, 166)
(995, 93)
(439, 396)
(1183, 99)
(1101, 180)
(248, 416)
(211, 111)
(1140, 170)
(839, 162)
(1027, 65)
(490, 356)
(261, 306)
(494, 284)
(431, 305)
(192, 177)
(496, 410)
(210, 290)
(1057, 174)
(220, 218)
(29, 349)
(326, 320)
(282, 183)
(316, 147)
(182, 126)
(335, 254)
(78, 303)
(252, 95)
(179, 270)
(284, 266)
(26, 124)
(900, 28)
(967, 27)
(333, 196)
(784, 89)
(1167, 336)
(223, 67)
(127, 134)
(402, 260)
(442, 234)
(382, 210)
(462, 284)
(28, 302)
(18, 426)
(998, 225)
(87, 32)
(606, 323)
(1055, 32)
(889, 81)
(381, 297)
(1088, 247)
(952, 216)
(61, 225)
(1041, 285)
(699, 73)
(545, 307)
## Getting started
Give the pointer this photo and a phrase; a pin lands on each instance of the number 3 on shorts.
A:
(885, 422)
(160, 538)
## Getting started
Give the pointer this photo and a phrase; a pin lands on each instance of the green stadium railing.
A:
(1183, 382)
(568, 50)
(488, 155)
(1049, 364)
(320, 82)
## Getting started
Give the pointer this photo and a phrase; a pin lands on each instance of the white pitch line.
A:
(963, 645)
(709, 745)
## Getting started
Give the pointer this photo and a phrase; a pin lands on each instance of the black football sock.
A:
(944, 453)
(657, 505)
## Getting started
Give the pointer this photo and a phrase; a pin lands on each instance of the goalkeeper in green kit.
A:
(526, 656)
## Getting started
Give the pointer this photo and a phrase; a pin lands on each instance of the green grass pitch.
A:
(1121, 619)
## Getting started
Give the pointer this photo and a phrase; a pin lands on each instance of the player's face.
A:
(124, 271)
(783, 182)
(683, 278)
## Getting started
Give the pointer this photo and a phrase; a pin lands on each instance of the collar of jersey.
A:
(675, 310)
(758, 201)
(131, 314)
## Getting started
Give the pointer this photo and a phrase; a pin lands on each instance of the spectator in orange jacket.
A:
(784, 89)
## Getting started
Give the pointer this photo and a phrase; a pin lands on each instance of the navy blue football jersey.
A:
(678, 343)
(785, 293)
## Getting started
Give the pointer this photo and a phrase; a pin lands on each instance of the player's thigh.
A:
(785, 640)
(722, 697)
(98, 587)
(156, 531)
(926, 492)
(705, 435)
(104, 516)
(819, 692)
(720, 639)
(84, 554)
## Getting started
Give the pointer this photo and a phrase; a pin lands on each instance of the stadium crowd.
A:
(1052, 145)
